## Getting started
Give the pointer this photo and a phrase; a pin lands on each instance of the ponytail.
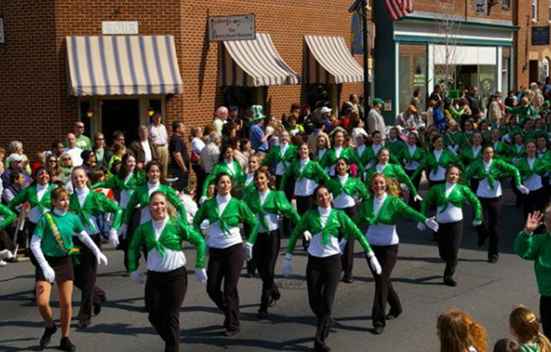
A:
(543, 342)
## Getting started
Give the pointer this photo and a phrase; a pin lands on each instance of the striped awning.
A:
(123, 65)
(254, 63)
(329, 61)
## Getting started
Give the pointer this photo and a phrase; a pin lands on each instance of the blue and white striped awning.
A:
(123, 65)
(254, 63)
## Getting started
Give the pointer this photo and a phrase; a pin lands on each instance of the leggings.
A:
(449, 237)
(491, 212)
(265, 253)
(322, 277)
(384, 292)
(545, 315)
(535, 200)
(225, 264)
(164, 294)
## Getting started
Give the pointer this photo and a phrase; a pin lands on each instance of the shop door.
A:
(122, 115)
(534, 71)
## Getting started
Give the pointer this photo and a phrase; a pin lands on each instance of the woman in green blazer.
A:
(226, 165)
(532, 172)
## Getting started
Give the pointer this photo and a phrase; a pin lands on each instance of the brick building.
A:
(533, 17)
(41, 95)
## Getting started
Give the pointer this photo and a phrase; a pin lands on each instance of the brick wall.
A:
(34, 103)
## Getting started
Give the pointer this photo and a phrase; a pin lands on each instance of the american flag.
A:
(398, 8)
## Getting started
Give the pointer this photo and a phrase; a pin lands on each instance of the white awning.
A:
(254, 63)
(123, 65)
(328, 60)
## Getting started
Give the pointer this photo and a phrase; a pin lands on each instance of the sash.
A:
(57, 236)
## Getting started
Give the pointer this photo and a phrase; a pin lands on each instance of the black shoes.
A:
(393, 315)
(230, 333)
(449, 281)
(378, 330)
(262, 314)
(347, 279)
(321, 347)
(47, 336)
(493, 258)
(83, 324)
(67, 345)
(97, 309)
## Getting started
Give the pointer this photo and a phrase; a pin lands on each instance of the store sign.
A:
(240, 27)
(2, 35)
(119, 27)
(540, 35)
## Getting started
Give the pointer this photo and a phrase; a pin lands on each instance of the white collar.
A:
(343, 178)
(40, 187)
(160, 224)
(324, 211)
(59, 212)
(82, 191)
(223, 199)
(153, 185)
(381, 198)
(304, 161)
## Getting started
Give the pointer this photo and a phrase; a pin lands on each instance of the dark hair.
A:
(150, 164)
(382, 150)
(58, 193)
(223, 150)
(38, 171)
(266, 171)
(96, 175)
(220, 175)
(14, 176)
(176, 124)
(506, 345)
(86, 154)
(123, 171)
(117, 134)
(435, 138)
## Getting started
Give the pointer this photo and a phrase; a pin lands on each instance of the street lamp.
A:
(361, 7)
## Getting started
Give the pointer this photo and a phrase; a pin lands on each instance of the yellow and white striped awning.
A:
(254, 63)
(123, 65)
(329, 61)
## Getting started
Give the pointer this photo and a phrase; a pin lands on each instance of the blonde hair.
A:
(392, 186)
(458, 331)
(526, 327)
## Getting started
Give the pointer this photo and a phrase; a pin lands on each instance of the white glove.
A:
(123, 230)
(523, 189)
(477, 222)
(342, 244)
(287, 265)
(374, 263)
(201, 275)
(202, 199)
(101, 258)
(49, 273)
(205, 226)
(417, 198)
(421, 226)
(114, 237)
(248, 247)
(307, 235)
(137, 277)
(431, 224)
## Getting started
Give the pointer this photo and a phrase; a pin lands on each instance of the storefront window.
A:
(412, 75)
(244, 97)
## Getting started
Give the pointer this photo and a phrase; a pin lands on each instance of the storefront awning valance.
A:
(254, 63)
(123, 65)
(328, 60)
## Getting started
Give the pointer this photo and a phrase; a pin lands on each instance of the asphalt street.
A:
(488, 291)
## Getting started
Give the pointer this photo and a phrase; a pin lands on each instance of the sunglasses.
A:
(52, 161)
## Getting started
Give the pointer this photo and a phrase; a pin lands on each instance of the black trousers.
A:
(164, 294)
(491, 213)
(85, 268)
(545, 315)
(200, 179)
(535, 200)
(225, 265)
(6, 242)
(347, 257)
(265, 253)
(450, 236)
(303, 205)
(434, 183)
(322, 277)
(384, 292)
(182, 176)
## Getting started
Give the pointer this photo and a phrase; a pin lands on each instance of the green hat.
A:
(257, 113)
(378, 101)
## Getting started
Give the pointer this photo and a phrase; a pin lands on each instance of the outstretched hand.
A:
(533, 221)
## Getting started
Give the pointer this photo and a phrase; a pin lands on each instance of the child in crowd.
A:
(526, 330)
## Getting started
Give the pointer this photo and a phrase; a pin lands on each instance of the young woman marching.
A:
(437, 162)
(88, 206)
(473, 151)
(39, 199)
(280, 157)
(391, 171)
(347, 193)
(370, 158)
(323, 270)
(339, 150)
(253, 164)
(166, 284)
(269, 206)
(52, 246)
(532, 170)
(449, 199)
(488, 172)
(411, 157)
(381, 212)
(226, 165)
(222, 216)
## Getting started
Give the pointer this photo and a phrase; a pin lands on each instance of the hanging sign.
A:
(240, 27)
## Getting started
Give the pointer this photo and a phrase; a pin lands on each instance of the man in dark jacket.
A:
(179, 156)
(143, 148)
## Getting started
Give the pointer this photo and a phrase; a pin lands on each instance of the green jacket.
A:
(237, 176)
(329, 159)
(502, 151)
(430, 164)
(418, 156)
(235, 213)
(95, 204)
(523, 112)
(274, 156)
(498, 170)
(312, 171)
(395, 172)
(276, 203)
(116, 183)
(7, 217)
(468, 155)
(337, 223)
(140, 198)
(173, 234)
(67, 225)
(455, 140)
(540, 167)
(353, 186)
(391, 211)
(29, 195)
(395, 147)
(537, 247)
(457, 197)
